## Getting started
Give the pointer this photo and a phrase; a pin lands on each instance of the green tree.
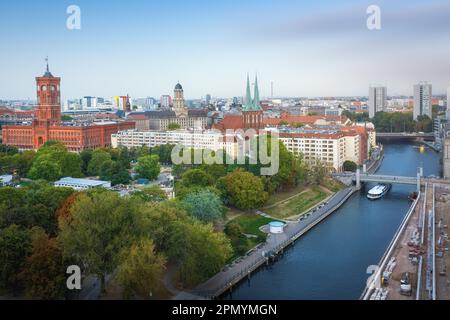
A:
(350, 166)
(196, 177)
(243, 189)
(8, 150)
(15, 244)
(204, 205)
(86, 156)
(164, 152)
(158, 221)
(34, 205)
(316, 173)
(72, 165)
(200, 251)
(23, 162)
(101, 226)
(65, 117)
(298, 125)
(44, 167)
(214, 170)
(124, 158)
(141, 270)
(173, 126)
(98, 158)
(148, 167)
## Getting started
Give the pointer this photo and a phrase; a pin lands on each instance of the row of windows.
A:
(49, 87)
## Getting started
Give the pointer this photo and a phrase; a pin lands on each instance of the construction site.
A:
(415, 264)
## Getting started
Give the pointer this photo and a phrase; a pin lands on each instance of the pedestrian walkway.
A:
(275, 243)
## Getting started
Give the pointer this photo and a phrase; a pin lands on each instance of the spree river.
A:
(331, 261)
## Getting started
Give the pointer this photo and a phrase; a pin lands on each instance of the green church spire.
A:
(256, 100)
(248, 97)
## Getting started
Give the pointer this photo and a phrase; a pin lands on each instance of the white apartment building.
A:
(377, 100)
(331, 148)
(422, 100)
(201, 139)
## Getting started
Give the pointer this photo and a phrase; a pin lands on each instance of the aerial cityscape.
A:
(256, 151)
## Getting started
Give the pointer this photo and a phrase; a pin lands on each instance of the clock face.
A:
(44, 88)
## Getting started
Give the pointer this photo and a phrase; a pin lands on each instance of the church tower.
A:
(178, 101)
(251, 110)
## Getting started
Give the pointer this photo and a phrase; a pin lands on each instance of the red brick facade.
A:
(47, 124)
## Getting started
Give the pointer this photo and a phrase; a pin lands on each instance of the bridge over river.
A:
(419, 180)
(406, 135)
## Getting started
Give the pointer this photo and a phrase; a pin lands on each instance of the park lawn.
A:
(297, 205)
(332, 184)
(232, 213)
(250, 224)
(283, 195)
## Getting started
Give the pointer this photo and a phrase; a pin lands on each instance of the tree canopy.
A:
(243, 189)
(148, 167)
(204, 205)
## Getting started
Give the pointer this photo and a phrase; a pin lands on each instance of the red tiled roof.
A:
(230, 122)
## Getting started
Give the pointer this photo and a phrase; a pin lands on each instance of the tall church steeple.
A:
(251, 110)
(248, 96)
(256, 99)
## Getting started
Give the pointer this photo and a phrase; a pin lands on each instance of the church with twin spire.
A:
(251, 110)
(251, 116)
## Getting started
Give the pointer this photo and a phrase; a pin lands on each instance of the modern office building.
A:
(423, 100)
(377, 100)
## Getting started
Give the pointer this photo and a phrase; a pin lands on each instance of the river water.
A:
(331, 261)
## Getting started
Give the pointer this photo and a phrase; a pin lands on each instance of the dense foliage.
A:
(394, 121)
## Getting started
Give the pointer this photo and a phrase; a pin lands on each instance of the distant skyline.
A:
(306, 48)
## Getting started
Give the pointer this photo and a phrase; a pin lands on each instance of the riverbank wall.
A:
(224, 281)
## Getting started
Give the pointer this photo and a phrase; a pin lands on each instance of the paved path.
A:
(237, 271)
(168, 279)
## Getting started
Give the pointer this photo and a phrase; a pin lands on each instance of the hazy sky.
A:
(307, 48)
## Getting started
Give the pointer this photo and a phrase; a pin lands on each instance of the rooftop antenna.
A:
(46, 61)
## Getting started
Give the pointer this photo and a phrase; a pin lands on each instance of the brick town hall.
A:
(47, 124)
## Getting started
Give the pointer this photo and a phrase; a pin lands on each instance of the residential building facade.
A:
(423, 100)
(377, 100)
